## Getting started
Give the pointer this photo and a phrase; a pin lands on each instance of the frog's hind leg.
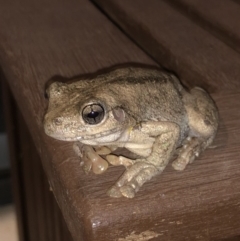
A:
(203, 123)
(190, 150)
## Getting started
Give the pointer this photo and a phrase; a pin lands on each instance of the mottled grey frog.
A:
(147, 111)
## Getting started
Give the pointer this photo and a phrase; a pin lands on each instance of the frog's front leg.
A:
(91, 158)
(166, 135)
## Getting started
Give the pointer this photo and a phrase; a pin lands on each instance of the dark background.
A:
(5, 178)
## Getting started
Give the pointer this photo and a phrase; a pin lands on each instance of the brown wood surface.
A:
(41, 39)
(177, 43)
(219, 17)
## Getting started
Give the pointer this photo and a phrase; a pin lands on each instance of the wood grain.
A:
(177, 43)
(219, 17)
(41, 39)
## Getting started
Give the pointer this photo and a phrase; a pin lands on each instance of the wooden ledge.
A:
(41, 39)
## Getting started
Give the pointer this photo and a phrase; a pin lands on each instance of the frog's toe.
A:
(102, 150)
(179, 164)
(119, 160)
(128, 191)
(125, 191)
(114, 192)
(86, 165)
(190, 150)
(99, 165)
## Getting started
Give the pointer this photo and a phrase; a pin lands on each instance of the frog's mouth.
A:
(116, 136)
(102, 137)
(107, 136)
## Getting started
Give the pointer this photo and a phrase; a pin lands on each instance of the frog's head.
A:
(82, 112)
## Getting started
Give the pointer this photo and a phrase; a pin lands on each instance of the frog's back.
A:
(148, 94)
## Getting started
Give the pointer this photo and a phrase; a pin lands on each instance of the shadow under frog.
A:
(145, 110)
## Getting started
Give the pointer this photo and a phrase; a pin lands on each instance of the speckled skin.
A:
(145, 110)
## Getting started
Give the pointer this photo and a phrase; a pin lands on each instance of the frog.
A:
(144, 110)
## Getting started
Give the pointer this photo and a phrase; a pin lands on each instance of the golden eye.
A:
(93, 114)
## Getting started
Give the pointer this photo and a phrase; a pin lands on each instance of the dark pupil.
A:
(93, 114)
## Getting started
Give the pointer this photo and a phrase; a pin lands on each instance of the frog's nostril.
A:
(58, 121)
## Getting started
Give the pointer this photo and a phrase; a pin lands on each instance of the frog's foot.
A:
(90, 159)
(132, 179)
(120, 160)
(191, 149)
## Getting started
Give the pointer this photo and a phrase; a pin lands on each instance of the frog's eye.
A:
(93, 114)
